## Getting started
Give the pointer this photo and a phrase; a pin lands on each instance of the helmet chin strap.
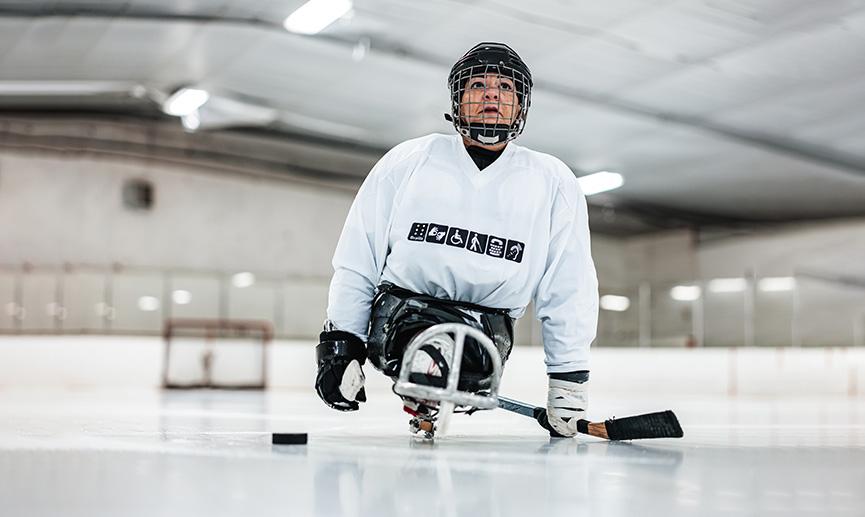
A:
(491, 134)
(487, 139)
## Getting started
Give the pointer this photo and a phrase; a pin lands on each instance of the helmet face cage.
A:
(490, 98)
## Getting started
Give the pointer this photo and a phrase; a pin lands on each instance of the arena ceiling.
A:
(714, 111)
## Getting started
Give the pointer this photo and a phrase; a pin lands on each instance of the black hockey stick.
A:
(663, 424)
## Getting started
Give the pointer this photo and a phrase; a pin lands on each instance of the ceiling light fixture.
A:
(242, 280)
(181, 296)
(773, 284)
(191, 121)
(148, 303)
(185, 101)
(615, 303)
(727, 285)
(600, 182)
(59, 88)
(685, 293)
(315, 15)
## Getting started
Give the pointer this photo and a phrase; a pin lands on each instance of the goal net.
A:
(225, 354)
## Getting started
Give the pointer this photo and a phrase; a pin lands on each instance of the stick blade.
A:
(663, 424)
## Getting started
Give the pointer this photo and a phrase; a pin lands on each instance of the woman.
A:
(467, 228)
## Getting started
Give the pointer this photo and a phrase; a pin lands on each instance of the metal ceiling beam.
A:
(279, 156)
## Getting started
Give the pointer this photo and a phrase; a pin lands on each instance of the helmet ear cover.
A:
(481, 60)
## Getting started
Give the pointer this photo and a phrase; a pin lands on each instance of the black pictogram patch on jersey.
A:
(480, 243)
(457, 237)
(514, 251)
(436, 233)
(477, 242)
(418, 232)
(496, 247)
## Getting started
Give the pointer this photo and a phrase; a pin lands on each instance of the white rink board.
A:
(136, 362)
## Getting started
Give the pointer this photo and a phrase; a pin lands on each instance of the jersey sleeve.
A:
(566, 300)
(361, 251)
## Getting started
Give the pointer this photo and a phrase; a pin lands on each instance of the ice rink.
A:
(194, 194)
(208, 453)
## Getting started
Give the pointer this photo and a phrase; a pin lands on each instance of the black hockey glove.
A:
(339, 381)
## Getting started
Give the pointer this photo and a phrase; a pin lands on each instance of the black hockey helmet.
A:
(490, 58)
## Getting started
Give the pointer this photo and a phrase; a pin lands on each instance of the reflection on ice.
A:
(209, 453)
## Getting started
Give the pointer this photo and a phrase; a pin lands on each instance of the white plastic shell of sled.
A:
(450, 393)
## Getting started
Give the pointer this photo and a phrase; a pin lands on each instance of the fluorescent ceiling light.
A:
(727, 285)
(181, 297)
(241, 280)
(185, 102)
(600, 182)
(616, 303)
(148, 303)
(776, 283)
(685, 293)
(313, 16)
(48, 88)
(191, 121)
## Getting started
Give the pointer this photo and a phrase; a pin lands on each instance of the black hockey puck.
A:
(289, 438)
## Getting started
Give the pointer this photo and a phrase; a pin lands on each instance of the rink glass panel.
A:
(112, 299)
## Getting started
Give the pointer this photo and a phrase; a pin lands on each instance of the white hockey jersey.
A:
(426, 219)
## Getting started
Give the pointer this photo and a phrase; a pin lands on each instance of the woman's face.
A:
(489, 99)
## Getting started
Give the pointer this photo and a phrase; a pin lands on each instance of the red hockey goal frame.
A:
(210, 330)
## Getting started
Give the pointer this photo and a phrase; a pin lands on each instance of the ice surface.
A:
(95, 453)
